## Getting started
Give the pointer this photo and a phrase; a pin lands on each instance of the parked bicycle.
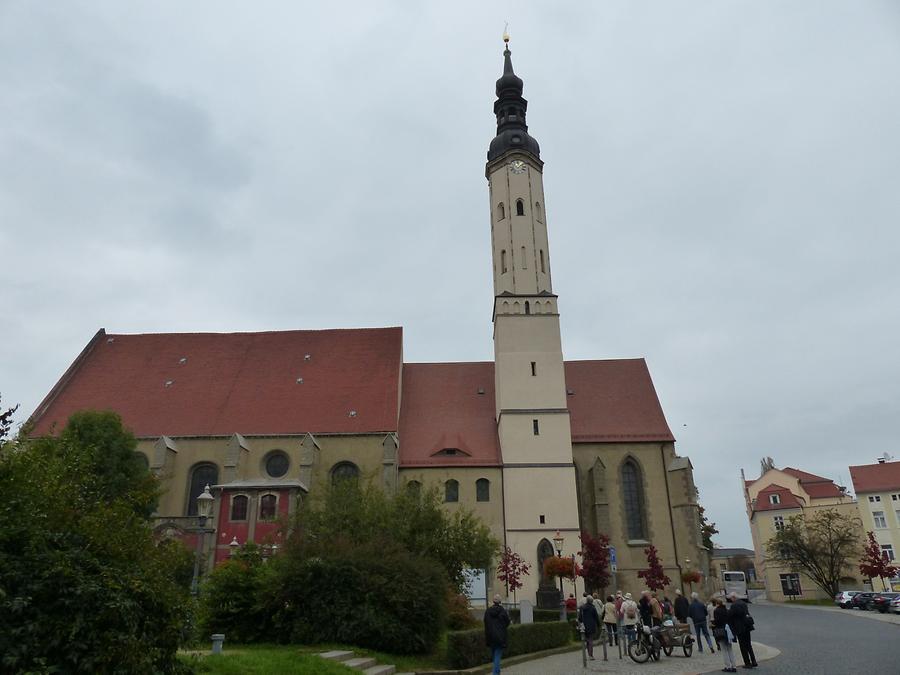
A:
(648, 644)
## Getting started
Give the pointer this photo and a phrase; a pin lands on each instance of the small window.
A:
(239, 507)
(880, 520)
(527, 307)
(451, 491)
(779, 523)
(268, 506)
(533, 368)
(895, 497)
(774, 499)
(887, 550)
(482, 490)
(501, 211)
(543, 271)
(503, 261)
(873, 499)
(535, 427)
(520, 207)
(277, 464)
(537, 209)
(543, 519)
(524, 259)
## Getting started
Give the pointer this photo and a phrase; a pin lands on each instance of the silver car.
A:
(843, 598)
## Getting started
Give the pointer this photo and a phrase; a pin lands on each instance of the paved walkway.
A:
(677, 664)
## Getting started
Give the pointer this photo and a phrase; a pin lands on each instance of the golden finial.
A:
(506, 33)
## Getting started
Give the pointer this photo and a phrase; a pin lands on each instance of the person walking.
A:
(611, 620)
(741, 624)
(656, 609)
(590, 619)
(699, 614)
(629, 618)
(496, 621)
(645, 609)
(681, 607)
(619, 602)
(722, 634)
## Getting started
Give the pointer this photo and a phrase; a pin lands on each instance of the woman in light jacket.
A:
(611, 620)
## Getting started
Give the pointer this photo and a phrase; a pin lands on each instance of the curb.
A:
(761, 651)
(486, 668)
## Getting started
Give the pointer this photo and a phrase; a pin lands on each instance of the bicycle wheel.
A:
(639, 651)
(688, 648)
(667, 650)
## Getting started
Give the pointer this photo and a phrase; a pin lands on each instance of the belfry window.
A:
(543, 271)
(501, 211)
(503, 262)
(451, 491)
(633, 496)
(201, 475)
(520, 207)
(527, 307)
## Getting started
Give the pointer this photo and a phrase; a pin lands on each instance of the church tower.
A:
(532, 414)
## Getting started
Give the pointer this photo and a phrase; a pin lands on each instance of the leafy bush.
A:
(458, 616)
(384, 599)
(84, 586)
(466, 648)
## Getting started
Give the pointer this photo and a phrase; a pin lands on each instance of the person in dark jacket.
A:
(496, 619)
(698, 614)
(681, 607)
(590, 618)
(720, 632)
(644, 608)
(741, 624)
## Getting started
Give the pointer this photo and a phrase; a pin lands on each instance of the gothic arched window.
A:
(344, 471)
(520, 207)
(501, 211)
(633, 496)
(482, 490)
(451, 491)
(202, 475)
(268, 506)
(239, 507)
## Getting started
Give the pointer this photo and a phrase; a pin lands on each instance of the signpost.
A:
(613, 567)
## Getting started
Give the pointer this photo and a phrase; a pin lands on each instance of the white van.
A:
(735, 582)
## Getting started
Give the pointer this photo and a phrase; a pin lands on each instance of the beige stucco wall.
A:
(887, 535)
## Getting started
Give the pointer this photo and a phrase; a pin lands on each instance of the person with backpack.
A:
(629, 618)
(741, 624)
(496, 621)
(590, 619)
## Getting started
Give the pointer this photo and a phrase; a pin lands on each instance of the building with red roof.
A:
(877, 488)
(771, 501)
(533, 444)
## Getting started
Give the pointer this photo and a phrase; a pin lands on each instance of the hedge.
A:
(466, 648)
(541, 615)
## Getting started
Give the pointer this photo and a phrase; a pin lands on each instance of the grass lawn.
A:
(265, 659)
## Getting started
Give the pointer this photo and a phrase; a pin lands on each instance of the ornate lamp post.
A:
(558, 542)
(233, 547)
(204, 510)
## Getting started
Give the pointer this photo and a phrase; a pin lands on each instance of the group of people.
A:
(621, 614)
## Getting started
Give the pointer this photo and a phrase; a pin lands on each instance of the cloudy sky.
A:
(722, 183)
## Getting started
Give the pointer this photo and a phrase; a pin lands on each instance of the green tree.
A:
(823, 545)
(6, 422)
(707, 529)
(84, 586)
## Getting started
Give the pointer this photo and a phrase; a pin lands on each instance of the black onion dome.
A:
(510, 109)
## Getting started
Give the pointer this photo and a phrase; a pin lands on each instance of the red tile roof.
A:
(235, 382)
(875, 477)
(817, 487)
(442, 408)
(804, 476)
(614, 401)
(787, 499)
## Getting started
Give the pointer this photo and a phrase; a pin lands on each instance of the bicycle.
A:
(647, 645)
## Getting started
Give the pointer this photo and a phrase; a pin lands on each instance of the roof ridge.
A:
(260, 332)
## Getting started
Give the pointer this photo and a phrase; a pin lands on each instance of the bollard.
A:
(217, 640)
(605, 640)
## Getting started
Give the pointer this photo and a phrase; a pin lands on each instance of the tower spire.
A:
(509, 109)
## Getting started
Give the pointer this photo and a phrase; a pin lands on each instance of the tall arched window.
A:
(451, 491)
(201, 475)
(268, 507)
(503, 261)
(501, 211)
(482, 490)
(633, 496)
(239, 507)
(344, 471)
(520, 207)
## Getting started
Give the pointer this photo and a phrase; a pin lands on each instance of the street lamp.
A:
(558, 541)
(204, 510)
(233, 547)
(687, 567)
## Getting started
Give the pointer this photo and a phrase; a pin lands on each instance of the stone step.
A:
(336, 655)
(361, 663)
(381, 670)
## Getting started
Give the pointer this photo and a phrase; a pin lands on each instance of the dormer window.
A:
(774, 499)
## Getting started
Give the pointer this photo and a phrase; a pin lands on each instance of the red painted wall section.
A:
(265, 531)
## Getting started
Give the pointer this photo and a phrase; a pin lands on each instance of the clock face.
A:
(517, 166)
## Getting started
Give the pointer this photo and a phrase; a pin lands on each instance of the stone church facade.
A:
(533, 444)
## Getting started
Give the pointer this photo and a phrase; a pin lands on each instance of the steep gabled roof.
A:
(817, 487)
(875, 477)
(787, 500)
(215, 384)
(614, 401)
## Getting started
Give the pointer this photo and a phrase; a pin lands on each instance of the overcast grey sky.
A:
(722, 183)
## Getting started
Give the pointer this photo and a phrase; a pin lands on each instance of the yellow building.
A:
(877, 488)
(771, 500)
(532, 443)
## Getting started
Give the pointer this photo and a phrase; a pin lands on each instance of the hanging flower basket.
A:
(561, 567)
(691, 577)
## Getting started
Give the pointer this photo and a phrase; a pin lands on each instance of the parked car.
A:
(882, 601)
(844, 598)
(895, 605)
(861, 600)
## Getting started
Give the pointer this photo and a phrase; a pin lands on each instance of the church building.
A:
(530, 442)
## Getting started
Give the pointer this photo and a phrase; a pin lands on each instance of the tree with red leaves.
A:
(875, 562)
(510, 570)
(595, 561)
(654, 575)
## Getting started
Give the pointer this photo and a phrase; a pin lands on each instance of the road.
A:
(826, 643)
